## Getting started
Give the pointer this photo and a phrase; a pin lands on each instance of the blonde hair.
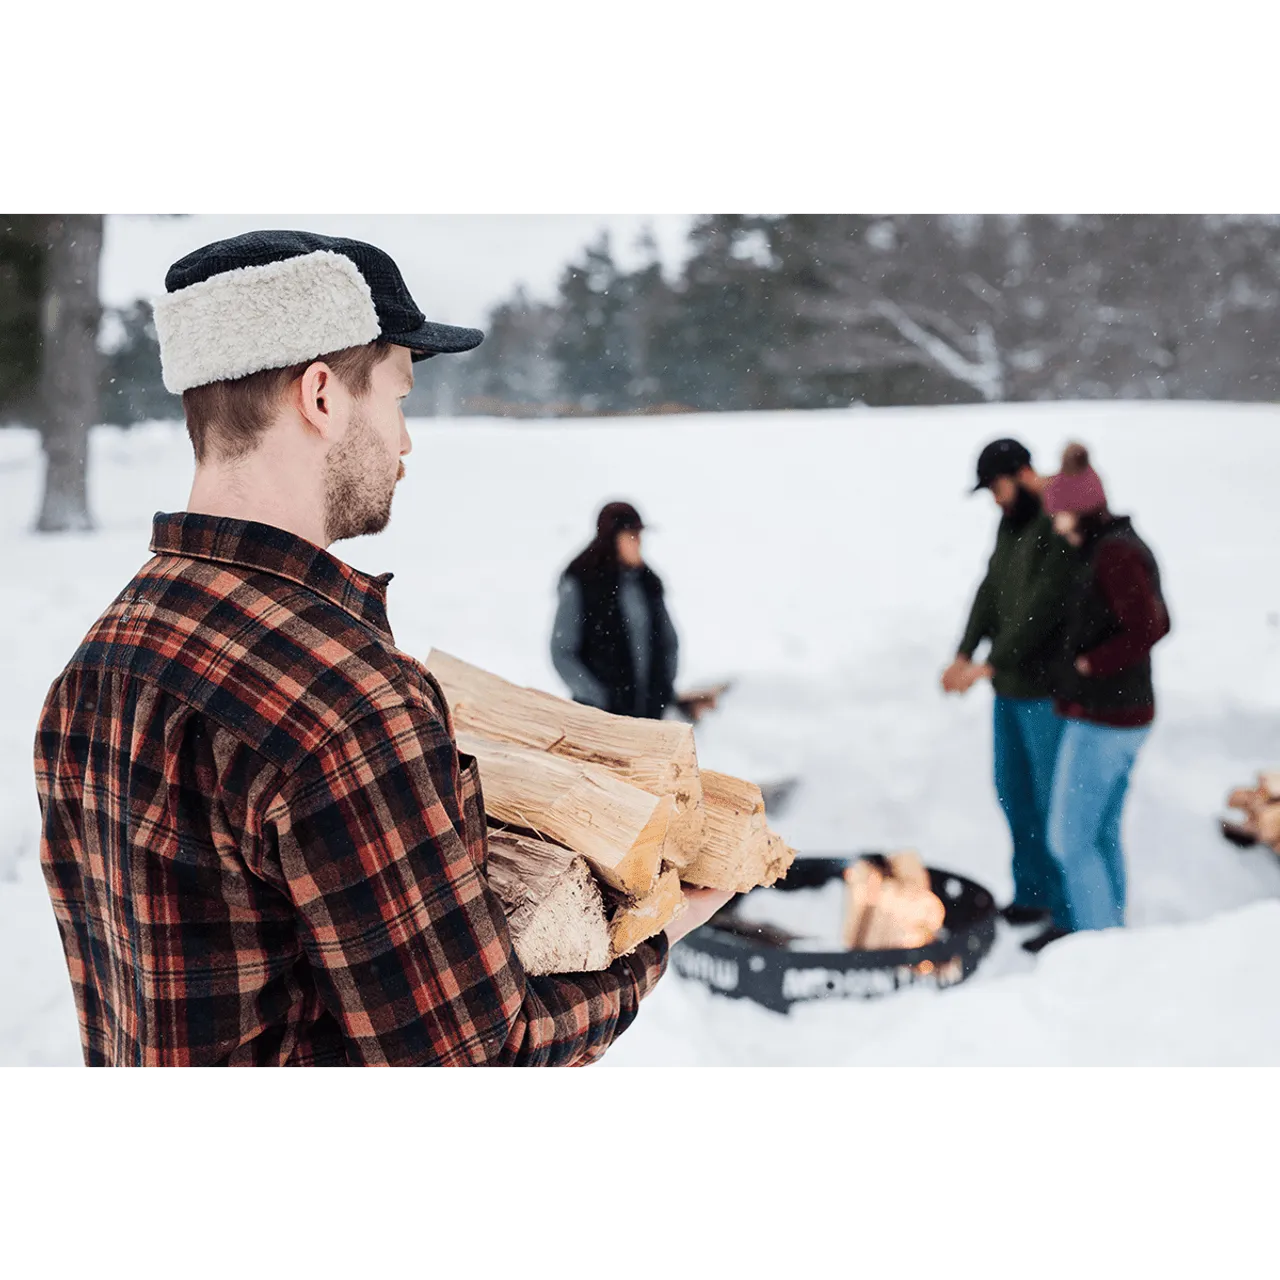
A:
(227, 419)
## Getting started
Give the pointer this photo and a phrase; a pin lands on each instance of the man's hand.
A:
(955, 676)
(695, 708)
(699, 906)
(978, 671)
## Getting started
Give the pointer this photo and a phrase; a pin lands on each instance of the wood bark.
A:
(657, 756)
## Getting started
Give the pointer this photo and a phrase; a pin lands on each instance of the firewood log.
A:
(633, 922)
(657, 756)
(618, 828)
(884, 912)
(738, 850)
(909, 870)
(863, 883)
(553, 905)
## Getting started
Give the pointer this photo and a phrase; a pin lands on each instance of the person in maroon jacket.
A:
(1104, 693)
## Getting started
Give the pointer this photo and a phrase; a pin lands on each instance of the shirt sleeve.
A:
(566, 644)
(978, 627)
(408, 946)
(1126, 584)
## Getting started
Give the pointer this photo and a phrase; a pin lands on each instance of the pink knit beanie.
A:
(1077, 488)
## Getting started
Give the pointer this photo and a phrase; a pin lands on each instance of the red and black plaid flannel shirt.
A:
(261, 843)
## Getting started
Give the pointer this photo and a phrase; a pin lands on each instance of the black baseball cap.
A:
(1001, 458)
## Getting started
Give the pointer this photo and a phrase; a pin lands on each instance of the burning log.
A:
(619, 829)
(889, 906)
(657, 756)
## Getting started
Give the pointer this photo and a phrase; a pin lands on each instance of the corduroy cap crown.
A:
(270, 299)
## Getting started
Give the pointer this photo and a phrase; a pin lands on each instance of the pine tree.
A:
(132, 386)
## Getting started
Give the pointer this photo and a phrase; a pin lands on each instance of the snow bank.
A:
(825, 560)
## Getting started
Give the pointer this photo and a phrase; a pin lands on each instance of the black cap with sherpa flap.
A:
(269, 299)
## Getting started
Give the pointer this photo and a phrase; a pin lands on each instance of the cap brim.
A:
(436, 340)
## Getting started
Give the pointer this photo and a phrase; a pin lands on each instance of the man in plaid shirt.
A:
(261, 843)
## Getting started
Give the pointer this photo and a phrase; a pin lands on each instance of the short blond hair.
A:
(227, 419)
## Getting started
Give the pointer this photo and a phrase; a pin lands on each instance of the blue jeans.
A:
(1089, 790)
(1026, 733)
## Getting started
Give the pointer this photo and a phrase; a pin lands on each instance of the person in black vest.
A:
(612, 642)
(1103, 691)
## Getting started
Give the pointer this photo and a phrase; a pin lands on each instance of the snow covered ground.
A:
(825, 561)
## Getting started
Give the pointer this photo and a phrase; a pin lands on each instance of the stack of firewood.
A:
(596, 819)
(1260, 805)
(889, 904)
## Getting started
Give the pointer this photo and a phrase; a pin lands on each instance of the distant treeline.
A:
(808, 311)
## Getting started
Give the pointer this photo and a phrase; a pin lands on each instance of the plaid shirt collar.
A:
(266, 549)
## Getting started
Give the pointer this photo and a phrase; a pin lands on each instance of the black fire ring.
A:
(746, 961)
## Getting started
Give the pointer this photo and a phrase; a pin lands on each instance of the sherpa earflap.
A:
(270, 299)
(263, 317)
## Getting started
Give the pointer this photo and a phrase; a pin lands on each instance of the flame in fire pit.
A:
(889, 904)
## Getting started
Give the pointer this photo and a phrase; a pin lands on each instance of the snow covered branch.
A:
(985, 374)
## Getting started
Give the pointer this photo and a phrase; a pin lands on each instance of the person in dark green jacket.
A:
(1020, 608)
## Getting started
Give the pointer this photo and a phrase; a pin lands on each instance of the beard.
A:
(1024, 507)
(360, 481)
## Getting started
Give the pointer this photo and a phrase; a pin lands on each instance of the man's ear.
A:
(316, 392)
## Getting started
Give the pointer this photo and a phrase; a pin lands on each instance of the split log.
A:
(738, 850)
(657, 756)
(618, 828)
(633, 922)
(554, 907)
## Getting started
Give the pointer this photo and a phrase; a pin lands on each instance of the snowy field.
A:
(825, 562)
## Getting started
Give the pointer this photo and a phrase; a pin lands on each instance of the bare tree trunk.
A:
(69, 368)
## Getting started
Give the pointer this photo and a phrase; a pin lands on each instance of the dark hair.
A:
(1092, 525)
(600, 555)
